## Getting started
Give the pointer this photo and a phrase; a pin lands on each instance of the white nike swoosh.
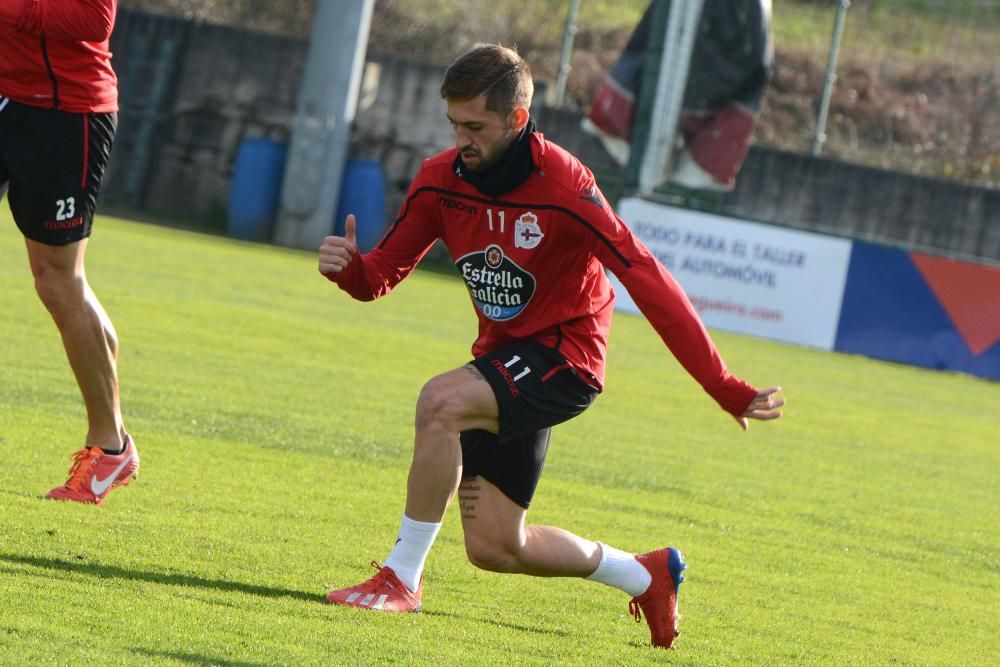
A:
(99, 486)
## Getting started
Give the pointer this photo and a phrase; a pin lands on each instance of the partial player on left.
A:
(58, 117)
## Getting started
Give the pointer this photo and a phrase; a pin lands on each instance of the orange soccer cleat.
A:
(383, 592)
(659, 602)
(95, 473)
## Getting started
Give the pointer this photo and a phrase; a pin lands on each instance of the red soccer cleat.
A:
(659, 602)
(95, 473)
(383, 592)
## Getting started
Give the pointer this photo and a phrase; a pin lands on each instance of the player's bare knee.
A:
(438, 406)
(57, 291)
(490, 555)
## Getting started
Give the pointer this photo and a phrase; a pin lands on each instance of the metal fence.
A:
(917, 81)
(917, 85)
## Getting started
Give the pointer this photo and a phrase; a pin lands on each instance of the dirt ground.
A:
(938, 118)
(919, 116)
(933, 118)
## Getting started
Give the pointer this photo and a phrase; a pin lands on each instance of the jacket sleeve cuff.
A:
(734, 395)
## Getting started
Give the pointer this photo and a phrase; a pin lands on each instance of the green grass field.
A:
(273, 417)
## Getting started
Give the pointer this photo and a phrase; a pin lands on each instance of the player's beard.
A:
(495, 154)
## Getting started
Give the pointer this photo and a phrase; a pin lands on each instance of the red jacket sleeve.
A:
(374, 274)
(69, 20)
(665, 305)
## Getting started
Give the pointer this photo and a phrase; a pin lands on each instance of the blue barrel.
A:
(255, 190)
(362, 192)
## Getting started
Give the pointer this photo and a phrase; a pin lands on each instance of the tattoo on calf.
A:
(468, 494)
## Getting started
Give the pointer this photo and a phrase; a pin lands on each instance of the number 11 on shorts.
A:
(513, 360)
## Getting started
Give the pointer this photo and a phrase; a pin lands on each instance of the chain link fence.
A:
(917, 89)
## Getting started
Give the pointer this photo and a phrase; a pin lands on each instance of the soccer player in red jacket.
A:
(58, 115)
(531, 236)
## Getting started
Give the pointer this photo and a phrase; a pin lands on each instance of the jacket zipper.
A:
(52, 74)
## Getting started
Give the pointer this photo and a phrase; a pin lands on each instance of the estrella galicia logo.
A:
(499, 287)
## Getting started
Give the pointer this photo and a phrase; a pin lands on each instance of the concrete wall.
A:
(862, 202)
(191, 93)
(400, 121)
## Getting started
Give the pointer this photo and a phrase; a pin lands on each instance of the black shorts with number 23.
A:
(51, 165)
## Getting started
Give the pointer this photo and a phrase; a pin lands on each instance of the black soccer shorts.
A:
(51, 165)
(536, 388)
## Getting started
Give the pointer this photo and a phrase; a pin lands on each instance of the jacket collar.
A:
(511, 171)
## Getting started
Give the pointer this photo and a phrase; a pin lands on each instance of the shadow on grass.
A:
(99, 571)
(195, 658)
(500, 624)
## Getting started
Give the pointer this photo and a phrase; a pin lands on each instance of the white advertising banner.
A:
(745, 277)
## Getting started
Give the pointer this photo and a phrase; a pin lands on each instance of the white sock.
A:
(621, 570)
(408, 556)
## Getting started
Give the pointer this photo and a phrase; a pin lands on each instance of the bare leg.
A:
(496, 538)
(87, 333)
(456, 401)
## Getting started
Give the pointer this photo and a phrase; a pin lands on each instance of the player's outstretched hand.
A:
(338, 251)
(765, 405)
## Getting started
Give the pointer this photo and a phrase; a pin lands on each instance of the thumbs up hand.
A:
(350, 230)
(338, 251)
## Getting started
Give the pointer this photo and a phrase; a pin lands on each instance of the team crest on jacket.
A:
(499, 287)
(527, 233)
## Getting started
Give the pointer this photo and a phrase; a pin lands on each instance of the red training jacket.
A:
(54, 54)
(533, 261)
